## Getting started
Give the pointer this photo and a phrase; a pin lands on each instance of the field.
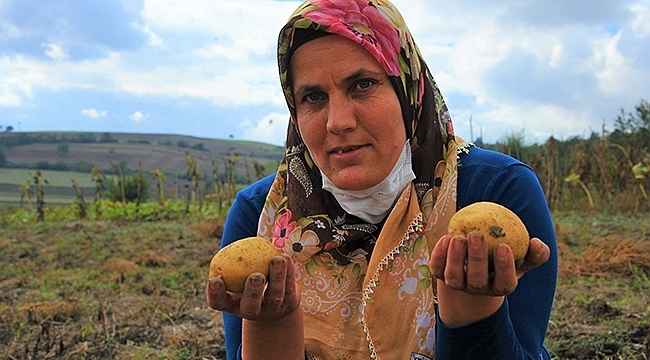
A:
(128, 290)
(167, 153)
(105, 290)
(20, 153)
(602, 306)
(54, 178)
(59, 189)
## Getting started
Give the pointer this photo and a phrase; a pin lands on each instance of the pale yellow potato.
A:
(236, 261)
(497, 223)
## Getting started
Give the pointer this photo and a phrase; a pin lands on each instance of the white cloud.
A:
(608, 64)
(641, 22)
(271, 129)
(556, 56)
(13, 92)
(8, 97)
(557, 121)
(19, 77)
(561, 78)
(94, 113)
(10, 31)
(238, 29)
(55, 51)
(137, 116)
(154, 39)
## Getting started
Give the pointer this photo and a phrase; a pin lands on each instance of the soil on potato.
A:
(118, 290)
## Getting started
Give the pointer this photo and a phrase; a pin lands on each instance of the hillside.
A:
(167, 153)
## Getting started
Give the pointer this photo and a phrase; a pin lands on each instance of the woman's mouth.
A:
(345, 150)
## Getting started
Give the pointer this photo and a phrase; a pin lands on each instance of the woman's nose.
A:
(340, 116)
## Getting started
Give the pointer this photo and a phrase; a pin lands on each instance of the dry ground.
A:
(107, 291)
(100, 290)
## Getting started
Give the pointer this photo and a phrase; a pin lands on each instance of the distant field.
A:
(54, 178)
(168, 153)
(14, 198)
(148, 152)
(58, 189)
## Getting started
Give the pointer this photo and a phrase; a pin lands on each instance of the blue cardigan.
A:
(517, 330)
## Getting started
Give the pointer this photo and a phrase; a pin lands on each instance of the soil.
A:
(107, 291)
(96, 290)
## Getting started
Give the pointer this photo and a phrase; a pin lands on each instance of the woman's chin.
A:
(353, 182)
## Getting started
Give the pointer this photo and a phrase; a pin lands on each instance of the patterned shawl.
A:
(340, 259)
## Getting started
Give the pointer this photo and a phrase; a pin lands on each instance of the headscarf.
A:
(340, 259)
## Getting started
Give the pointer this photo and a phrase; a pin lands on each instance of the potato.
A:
(236, 261)
(497, 223)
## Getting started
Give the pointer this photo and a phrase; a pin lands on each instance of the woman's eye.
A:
(313, 97)
(363, 84)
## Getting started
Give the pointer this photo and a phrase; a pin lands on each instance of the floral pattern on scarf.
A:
(363, 283)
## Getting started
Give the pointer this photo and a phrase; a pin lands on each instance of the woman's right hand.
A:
(260, 301)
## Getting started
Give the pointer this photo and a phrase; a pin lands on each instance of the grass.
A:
(54, 178)
(14, 198)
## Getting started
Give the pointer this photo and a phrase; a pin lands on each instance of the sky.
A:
(207, 68)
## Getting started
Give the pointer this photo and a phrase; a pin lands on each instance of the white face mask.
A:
(374, 203)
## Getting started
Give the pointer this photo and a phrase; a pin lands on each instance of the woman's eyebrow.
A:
(305, 89)
(359, 74)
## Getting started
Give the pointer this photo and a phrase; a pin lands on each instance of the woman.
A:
(360, 204)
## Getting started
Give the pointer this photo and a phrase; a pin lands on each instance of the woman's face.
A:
(347, 112)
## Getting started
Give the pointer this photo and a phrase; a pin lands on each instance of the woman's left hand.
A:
(462, 264)
(467, 290)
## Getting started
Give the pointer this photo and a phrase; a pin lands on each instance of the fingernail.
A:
(257, 280)
(459, 243)
(477, 242)
(445, 241)
(215, 285)
(501, 251)
(277, 262)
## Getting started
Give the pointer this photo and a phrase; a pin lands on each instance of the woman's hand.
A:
(272, 328)
(462, 263)
(467, 290)
(260, 301)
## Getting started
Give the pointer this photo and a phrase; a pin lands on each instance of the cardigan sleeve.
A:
(242, 222)
(518, 329)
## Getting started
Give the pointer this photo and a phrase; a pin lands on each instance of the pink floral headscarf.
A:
(379, 28)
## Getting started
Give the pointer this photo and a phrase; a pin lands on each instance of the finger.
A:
(505, 275)
(274, 294)
(538, 253)
(455, 263)
(291, 292)
(477, 280)
(251, 301)
(215, 293)
(438, 257)
(218, 298)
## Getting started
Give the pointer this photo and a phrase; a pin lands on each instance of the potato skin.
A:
(237, 260)
(497, 223)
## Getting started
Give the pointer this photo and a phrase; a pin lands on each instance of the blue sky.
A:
(206, 68)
